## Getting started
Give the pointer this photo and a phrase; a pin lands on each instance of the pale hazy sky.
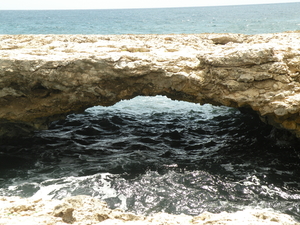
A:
(109, 4)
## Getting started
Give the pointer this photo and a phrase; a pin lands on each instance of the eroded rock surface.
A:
(45, 77)
(85, 210)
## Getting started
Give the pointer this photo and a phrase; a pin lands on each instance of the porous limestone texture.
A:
(85, 210)
(45, 77)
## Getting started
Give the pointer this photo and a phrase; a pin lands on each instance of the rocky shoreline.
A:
(46, 77)
(85, 210)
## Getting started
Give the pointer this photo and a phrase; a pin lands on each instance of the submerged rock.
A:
(45, 77)
(85, 210)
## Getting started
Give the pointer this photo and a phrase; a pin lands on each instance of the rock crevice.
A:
(45, 77)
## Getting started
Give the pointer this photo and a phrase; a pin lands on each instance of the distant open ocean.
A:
(151, 154)
(250, 19)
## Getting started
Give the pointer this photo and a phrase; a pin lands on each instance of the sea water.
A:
(250, 19)
(152, 154)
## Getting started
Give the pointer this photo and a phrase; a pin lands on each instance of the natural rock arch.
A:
(45, 77)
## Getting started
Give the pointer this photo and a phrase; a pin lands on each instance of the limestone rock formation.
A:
(85, 210)
(45, 77)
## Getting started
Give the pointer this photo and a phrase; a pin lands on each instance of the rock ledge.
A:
(85, 210)
(45, 77)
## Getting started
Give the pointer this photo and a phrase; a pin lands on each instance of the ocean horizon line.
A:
(151, 8)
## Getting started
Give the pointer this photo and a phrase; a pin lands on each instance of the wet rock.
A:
(46, 77)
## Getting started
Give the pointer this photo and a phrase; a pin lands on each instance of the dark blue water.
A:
(151, 154)
(249, 19)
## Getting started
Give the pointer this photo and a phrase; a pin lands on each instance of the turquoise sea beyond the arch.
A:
(247, 19)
